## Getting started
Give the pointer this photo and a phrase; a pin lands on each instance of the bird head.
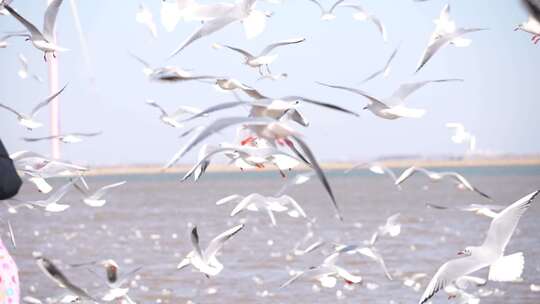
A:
(466, 252)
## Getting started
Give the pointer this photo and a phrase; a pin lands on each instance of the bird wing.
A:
(214, 127)
(449, 272)
(241, 51)
(377, 258)
(57, 276)
(50, 19)
(295, 204)
(139, 59)
(218, 107)
(440, 42)
(206, 29)
(195, 243)
(58, 194)
(217, 243)
(157, 106)
(533, 6)
(46, 102)
(272, 46)
(293, 278)
(206, 159)
(356, 91)
(34, 32)
(228, 199)
(333, 7)
(11, 110)
(503, 225)
(407, 89)
(319, 103)
(320, 174)
(86, 134)
(383, 70)
(32, 139)
(318, 4)
(246, 201)
(406, 174)
(99, 193)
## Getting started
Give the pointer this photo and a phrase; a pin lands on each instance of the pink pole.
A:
(54, 107)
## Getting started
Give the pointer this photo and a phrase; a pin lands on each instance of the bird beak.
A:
(461, 253)
(365, 108)
(517, 28)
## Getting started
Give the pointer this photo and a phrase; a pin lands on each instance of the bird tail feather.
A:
(507, 268)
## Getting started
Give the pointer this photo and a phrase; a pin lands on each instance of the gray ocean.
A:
(147, 223)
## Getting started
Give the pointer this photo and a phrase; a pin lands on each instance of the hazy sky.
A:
(497, 102)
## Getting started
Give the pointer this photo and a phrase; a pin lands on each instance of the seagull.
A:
(59, 278)
(206, 261)
(254, 22)
(491, 253)
(264, 59)
(172, 119)
(43, 41)
(3, 40)
(248, 157)
(384, 71)
(461, 135)
(95, 199)
(23, 72)
(268, 129)
(326, 273)
(437, 176)
(168, 73)
(362, 15)
(370, 251)
(531, 26)
(392, 227)
(456, 290)
(377, 168)
(51, 203)
(478, 209)
(327, 14)
(28, 121)
(69, 138)
(255, 201)
(298, 179)
(445, 33)
(384, 108)
(144, 16)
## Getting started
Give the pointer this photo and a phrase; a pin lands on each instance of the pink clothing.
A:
(9, 278)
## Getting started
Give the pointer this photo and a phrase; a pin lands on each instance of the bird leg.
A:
(536, 39)
(268, 69)
(248, 140)
(54, 54)
(260, 71)
(45, 56)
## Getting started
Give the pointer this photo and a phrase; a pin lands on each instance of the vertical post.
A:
(54, 107)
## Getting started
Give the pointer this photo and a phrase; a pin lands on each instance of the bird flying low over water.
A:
(43, 41)
(437, 176)
(206, 261)
(502, 268)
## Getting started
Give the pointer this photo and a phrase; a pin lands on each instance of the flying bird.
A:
(43, 41)
(392, 107)
(490, 254)
(27, 120)
(68, 138)
(455, 177)
(361, 14)
(384, 71)
(24, 71)
(206, 261)
(95, 199)
(327, 14)
(377, 168)
(172, 119)
(478, 209)
(264, 59)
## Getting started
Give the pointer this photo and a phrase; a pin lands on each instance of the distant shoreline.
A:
(391, 163)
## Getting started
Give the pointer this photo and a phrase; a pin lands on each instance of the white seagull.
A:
(172, 119)
(377, 168)
(28, 121)
(362, 15)
(256, 202)
(43, 41)
(264, 59)
(206, 261)
(51, 203)
(144, 16)
(455, 177)
(369, 251)
(531, 26)
(384, 71)
(445, 33)
(95, 199)
(326, 274)
(168, 73)
(24, 71)
(254, 22)
(327, 14)
(69, 138)
(490, 254)
(461, 135)
(478, 209)
(393, 107)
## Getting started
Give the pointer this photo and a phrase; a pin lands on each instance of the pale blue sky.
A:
(498, 100)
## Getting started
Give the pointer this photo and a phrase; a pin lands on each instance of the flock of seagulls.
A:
(267, 137)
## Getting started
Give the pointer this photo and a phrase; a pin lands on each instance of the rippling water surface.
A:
(147, 222)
